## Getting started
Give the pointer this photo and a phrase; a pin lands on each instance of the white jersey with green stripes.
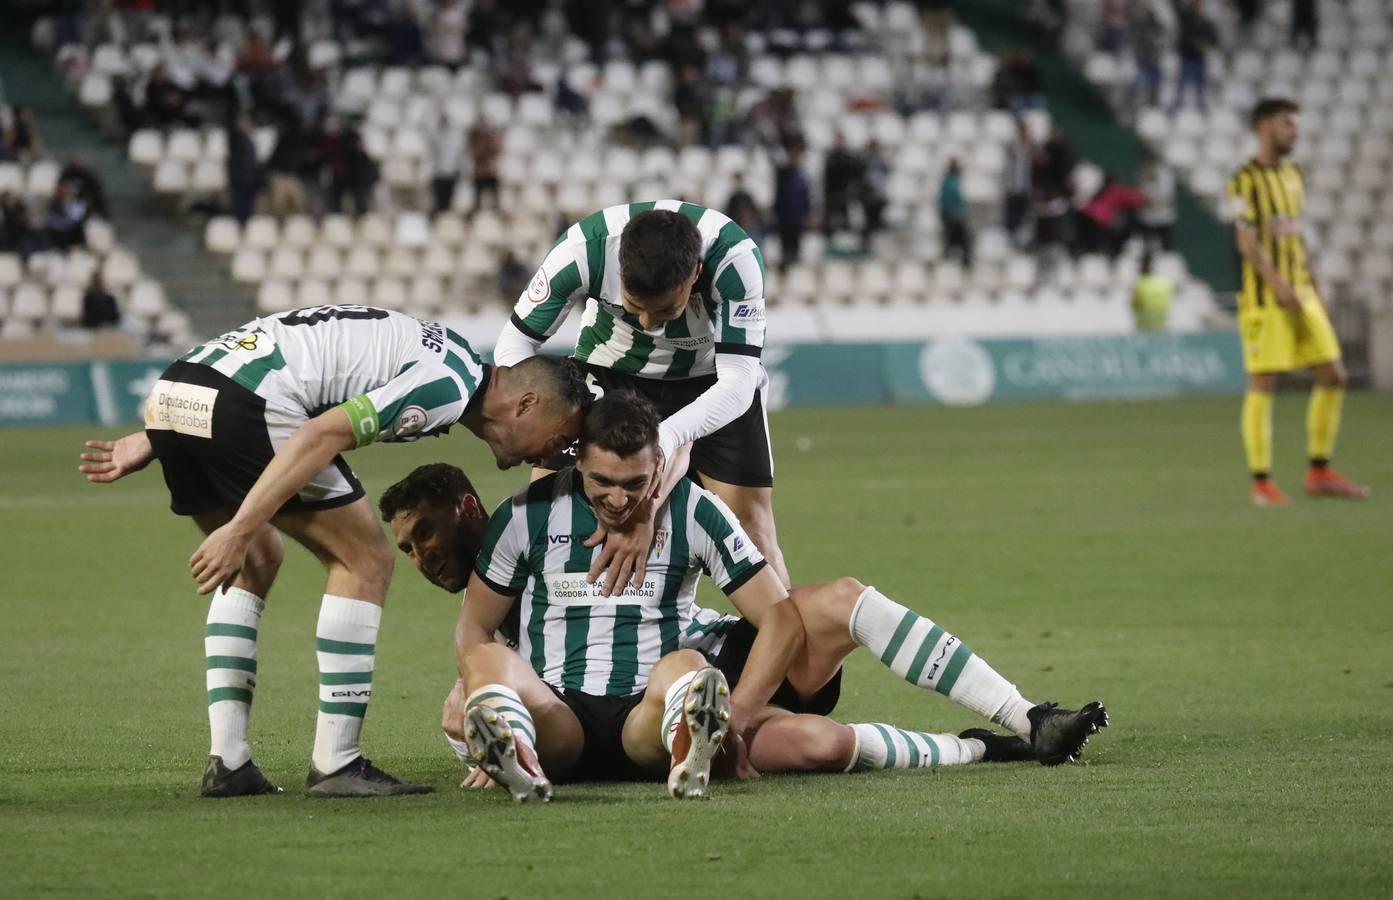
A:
(397, 377)
(725, 314)
(575, 638)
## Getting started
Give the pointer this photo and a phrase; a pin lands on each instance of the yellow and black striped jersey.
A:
(1270, 199)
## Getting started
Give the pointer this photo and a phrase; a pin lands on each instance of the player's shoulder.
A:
(1243, 171)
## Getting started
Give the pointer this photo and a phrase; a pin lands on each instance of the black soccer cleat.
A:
(1059, 735)
(360, 778)
(1001, 747)
(244, 781)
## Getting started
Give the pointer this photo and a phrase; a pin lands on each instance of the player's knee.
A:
(679, 661)
(823, 744)
(265, 556)
(847, 591)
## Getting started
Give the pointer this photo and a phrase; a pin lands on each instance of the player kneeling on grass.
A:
(438, 521)
(249, 428)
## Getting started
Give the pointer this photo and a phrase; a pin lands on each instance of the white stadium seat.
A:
(222, 234)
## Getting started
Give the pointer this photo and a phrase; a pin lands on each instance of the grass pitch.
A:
(1095, 550)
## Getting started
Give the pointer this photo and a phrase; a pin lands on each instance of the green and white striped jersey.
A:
(397, 377)
(574, 638)
(725, 315)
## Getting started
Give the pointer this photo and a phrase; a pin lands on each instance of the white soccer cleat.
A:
(507, 761)
(705, 721)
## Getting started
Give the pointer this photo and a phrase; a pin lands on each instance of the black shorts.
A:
(602, 722)
(224, 443)
(738, 453)
(735, 652)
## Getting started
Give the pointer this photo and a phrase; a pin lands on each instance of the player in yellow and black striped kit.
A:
(1281, 316)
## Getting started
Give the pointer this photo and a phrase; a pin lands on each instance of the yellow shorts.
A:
(1275, 340)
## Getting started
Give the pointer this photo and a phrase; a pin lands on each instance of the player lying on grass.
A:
(439, 523)
(249, 429)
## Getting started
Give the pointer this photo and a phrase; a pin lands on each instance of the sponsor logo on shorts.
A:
(411, 420)
(181, 408)
(539, 288)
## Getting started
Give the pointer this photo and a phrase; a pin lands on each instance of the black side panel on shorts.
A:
(735, 652)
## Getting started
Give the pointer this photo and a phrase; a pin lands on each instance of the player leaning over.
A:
(1281, 316)
(532, 549)
(248, 429)
(673, 295)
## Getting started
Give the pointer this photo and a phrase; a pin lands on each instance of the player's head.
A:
(537, 410)
(659, 262)
(1274, 121)
(438, 521)
(618, 457)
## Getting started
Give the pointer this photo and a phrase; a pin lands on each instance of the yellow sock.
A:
(1323, 421)
(1257, 431)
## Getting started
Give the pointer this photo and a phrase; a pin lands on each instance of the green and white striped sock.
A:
(229, 644)
(926, 656)
(672, 708)
(346, 644)
(505, 701)
(887, 747)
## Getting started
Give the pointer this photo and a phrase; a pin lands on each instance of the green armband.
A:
(363, 418)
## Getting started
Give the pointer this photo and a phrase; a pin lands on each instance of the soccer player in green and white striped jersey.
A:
(673, 300)
(248, 429)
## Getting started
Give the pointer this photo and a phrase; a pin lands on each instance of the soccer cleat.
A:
(508, 761)
(245, 781)
(360, 778)
(705, 721)
(1266, 493)
(1059, 735)
(1327, 482)
(1000, 747)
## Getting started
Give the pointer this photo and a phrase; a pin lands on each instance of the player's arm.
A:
(1250, 248)
(763, 602)
(542, 308)
(107, 461)
(309, 451)
(481, 614)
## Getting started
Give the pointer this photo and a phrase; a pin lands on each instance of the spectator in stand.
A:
(793, 203)
(1157, 218)
(285, 192)
(1112, 28)
(513, 63)
(406, 46)
(1248, 12)
(89, 187)
(19, 234)
(953, 214)
(243, 169)
(66, 217)
(774, 119)
(689, 98)
(743, 210)
(99, 307)
(875, 192)
(447, 34)
(1108, 220)
(485, 149)
(485, 27)
(1151, 298)
(1195, 37)
(1053, 180)
(841, 180)
(447, 152)
(354, 175)
(1305, 25)
(513, 274)
(1147, 37)
(165, 103)
(1017, 83)
(1020, 160)
(570, 103)
(19, 134)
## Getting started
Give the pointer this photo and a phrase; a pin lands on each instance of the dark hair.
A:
(658, 250)
(1269, 107)
(557, 378)
(434, 483)
(622, 422)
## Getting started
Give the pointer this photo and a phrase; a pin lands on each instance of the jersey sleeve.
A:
(502, 559)
(737, 291)
(426, 398)
(542, 308)
(1242, 197)
(718, 543)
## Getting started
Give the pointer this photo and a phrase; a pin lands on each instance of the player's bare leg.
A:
(1256, 425)
(229, 643)
(1322, 427)
(645, 739)
(754, 507)
(348, 541)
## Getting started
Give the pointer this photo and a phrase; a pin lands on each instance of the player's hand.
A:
(106, 461)
(625, 553)
(476, 780)
(220, 558)
(738, 749)
(1286, 297)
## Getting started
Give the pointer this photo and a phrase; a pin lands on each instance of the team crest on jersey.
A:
(411, 420)
(659, 541)
(539, 288)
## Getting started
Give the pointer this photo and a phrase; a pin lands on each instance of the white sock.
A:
(462, 751)
(887, 747)
(672, 708)
(346, 644)
(926, 656)
(229, 645)
(506, 702)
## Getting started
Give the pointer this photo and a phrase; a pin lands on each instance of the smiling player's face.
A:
(441, 539)
(616, 485)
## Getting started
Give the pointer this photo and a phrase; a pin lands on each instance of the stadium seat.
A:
(313, 292)
(146, 299)
(66, 304)
(337, 231)
(99, 235)
(286, 264)
(374, 231)
(261, 233)
(171, 176)
(42, 178)
(274, 297)
(400, 262)
(351, 292)
(361, 262)
(96, 91)
(323, 263)
(119, 269)
(388, 293)
(184, 145)
(221, 235)
(299, 232)
(249, 266)
(11, 270)
(145, 148)
(11, 178)
(16, 329)
(425, 295)
(29, 303)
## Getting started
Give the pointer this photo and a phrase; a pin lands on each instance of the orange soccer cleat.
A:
(1266, 493)
(1324, 481)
